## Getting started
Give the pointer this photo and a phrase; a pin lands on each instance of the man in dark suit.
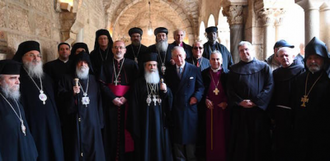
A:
(186, 83)
(197, 58)
(179, 36)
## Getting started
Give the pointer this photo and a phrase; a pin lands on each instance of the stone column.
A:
(312, 19)
(80, 35)
(278, 23)
(234, 14)
(268, 19)
(325, 24)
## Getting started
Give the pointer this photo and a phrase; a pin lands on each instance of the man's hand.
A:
(223, 105)
(117, 102)
(123, 100)
(76, 90)
(209, 104)
(193, 100)
(172, 61)
(247, 104)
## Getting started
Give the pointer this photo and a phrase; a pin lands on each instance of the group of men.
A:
(164, 102)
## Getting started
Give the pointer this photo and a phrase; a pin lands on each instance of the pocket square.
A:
(191, 78)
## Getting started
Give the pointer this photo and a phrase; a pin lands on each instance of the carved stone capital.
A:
(234, 14)
(270, 15)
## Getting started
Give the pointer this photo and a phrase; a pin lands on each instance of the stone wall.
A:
(41, 20)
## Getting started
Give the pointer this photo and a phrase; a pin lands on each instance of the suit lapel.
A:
(184, 75)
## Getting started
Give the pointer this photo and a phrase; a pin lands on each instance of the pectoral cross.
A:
(216, 91)
(304, 100)
(116, 82)
(154, 99)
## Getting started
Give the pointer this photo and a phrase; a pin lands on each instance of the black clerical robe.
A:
(137, 52)
(42, 118)
(281, 110)
(14, 146)
(56, 69)
(149, 124)
(98, 57)
(82, 129)
(116, 138)
(311, 131)
(227, 59)
(250, 126)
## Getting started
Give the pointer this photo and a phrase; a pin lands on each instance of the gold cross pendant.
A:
(304, 100)
(216, 91)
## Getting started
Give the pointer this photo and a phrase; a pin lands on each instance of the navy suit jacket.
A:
(184, 115)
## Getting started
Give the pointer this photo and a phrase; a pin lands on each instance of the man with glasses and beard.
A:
(149, 114)
(311, 105)
(39, 103)
(82, 103)
(136, 50)
(212, 44)
(15, 137)
(162, 48)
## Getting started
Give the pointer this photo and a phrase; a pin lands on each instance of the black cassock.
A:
(149, 124)
(14, 146)
(114, 116)
(250, 126)
(281, 110)
(98, 57)
(311, 123)
(84, 136)
(42, 118)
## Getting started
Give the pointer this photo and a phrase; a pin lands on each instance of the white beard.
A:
(152, 77)
(11, 93)
(34, 71)
(161, 46)
(82, 72)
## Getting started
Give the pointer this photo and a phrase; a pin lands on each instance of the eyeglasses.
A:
(196, 48)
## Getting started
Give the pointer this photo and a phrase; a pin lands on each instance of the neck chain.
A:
(106, 55)
(305, 98)
(114, 70)
(85, 100)
(163, 68)
(42, 95)
(216, 90)
(152, 90)
(23, 128)
(137, 54)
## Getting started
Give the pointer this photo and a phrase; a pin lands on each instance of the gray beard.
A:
(82, 72)
(152, 77)
(11, 93)
(161, 46)
(35, 71)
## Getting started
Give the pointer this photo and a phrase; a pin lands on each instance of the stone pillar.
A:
(325, 24)
(268, 19)
(312, 19)
(234, 14)
(278, 24)
(80, 35)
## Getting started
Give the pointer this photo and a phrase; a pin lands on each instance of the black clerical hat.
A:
(160, 30)
(282, 43)
(98, 34)
(211, 29)
(25, 47)
(135, 30)
(83, 56)
(316, 46)
(59, 45)
(10, 67)
(150, 57)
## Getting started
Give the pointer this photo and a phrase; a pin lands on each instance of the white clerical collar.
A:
(215, 70)
(64, 61)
